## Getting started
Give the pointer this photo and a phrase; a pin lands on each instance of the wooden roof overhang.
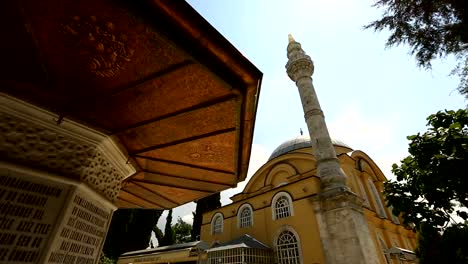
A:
(155, 75)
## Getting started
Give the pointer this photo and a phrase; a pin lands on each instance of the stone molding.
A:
(300, 67)
(36, 137)
(339, 198)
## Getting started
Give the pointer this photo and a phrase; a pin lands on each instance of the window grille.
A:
(246, 217)
(282, 207)
(218, 225)
(240, 256)
(287, 248)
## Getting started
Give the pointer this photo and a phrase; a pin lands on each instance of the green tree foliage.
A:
(168, 238)
(178, 233)
(204, 205)
(130, 230)
(106, 260)
(182, 231)
(432, 29)
(431, 190)
(449, 247)
(159, 234)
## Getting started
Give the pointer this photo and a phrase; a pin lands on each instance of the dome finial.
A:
(290, 38)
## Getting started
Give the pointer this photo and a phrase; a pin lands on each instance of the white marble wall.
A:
(48, 219)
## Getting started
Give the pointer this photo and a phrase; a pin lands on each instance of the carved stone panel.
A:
(29, 207)
(32, 144)
(82, 232)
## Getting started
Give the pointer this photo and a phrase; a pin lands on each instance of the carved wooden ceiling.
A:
(154, 74)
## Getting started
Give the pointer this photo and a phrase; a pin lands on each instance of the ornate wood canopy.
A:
(154, 75)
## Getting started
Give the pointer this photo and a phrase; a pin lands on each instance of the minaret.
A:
(343, 228)
(300, 69)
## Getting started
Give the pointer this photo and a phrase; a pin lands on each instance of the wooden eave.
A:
(154, 75)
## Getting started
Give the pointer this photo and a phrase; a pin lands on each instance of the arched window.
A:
(363, 192)
(383, 247)
(379, 206)
(217, 224)
(287, 248)
(245, 216)
(394, 217)
(407, 243)
(282, 206)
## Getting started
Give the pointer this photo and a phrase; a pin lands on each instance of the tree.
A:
(168, 238)
(204, 205)
(431, 191)
(105, 260)
(432, 29)
(130, 230)
(182, 231)
(449, 247)
(159, 234)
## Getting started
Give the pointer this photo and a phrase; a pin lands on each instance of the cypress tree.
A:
(203, 205)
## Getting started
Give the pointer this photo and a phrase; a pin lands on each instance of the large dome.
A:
(298, 143)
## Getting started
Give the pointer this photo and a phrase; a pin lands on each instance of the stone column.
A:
(58, 184)
(344, 232)
(300, 69)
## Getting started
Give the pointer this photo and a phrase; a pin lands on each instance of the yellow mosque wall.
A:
(294, 173)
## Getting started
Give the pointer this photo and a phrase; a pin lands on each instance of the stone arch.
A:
(365, 163)
(259, 179)
(281, 168)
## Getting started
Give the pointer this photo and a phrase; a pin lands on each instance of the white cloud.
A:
(376, 135)
(188, 218)
(258, 157)
(360, 130)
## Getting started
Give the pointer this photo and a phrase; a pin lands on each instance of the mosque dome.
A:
(300, 142)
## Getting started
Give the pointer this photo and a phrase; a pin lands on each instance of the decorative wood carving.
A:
(102, 50)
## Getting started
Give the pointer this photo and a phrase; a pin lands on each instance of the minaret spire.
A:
(300, 69)
(344, 234)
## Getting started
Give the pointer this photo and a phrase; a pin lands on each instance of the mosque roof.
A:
(195, 244)
(244, 241)
(302, 141)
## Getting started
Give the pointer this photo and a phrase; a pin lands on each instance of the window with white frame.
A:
(217, 224)
(282, 206)
(287, 248)
(245, 217)
(380, 209)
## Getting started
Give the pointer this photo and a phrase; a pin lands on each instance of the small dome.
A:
(298, 143)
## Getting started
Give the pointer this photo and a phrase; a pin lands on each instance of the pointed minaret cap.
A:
(293, 46)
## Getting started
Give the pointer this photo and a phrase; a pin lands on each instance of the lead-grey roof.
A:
(244, 241)
(198, 244)
(299, 142)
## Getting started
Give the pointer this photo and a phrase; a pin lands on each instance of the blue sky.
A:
(372, 97)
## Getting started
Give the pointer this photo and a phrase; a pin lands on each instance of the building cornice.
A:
(37, 137)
